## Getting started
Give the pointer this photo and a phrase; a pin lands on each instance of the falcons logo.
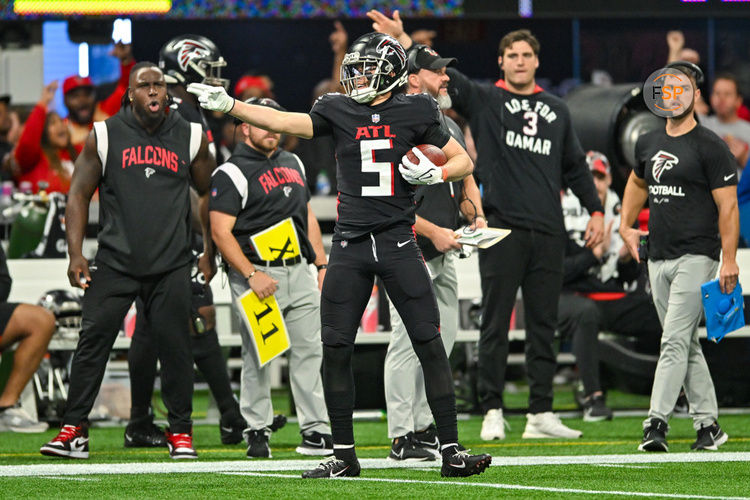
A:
(390, 46)
(662, 161)
(188, 50)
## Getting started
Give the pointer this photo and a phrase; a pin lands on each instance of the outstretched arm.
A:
(86, 177)
(284, 122)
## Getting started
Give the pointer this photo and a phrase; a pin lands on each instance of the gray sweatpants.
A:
(299, 300)
(675, 286)
(405, 396)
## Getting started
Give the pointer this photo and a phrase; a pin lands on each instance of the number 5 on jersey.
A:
(382, 168)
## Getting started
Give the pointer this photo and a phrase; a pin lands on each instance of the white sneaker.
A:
(493, 426)
(18, 420)
(547, 425)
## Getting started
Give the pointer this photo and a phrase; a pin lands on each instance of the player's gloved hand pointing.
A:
(211, 97)
(424, 172)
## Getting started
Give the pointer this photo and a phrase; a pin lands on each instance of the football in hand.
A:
(433, 153)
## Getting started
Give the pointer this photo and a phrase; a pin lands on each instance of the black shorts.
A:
(394, 256)
(6, 311)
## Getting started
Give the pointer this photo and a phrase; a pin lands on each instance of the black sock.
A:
(438, 381)
(338, 386)
(346, 454)
(210, 361)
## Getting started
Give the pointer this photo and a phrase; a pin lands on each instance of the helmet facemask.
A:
(366, 77)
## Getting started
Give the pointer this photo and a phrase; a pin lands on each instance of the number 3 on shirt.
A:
(384, 169)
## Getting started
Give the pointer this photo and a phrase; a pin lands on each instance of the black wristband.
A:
(247, 278)
(322, 266)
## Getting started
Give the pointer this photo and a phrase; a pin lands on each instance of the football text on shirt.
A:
(277, 176)
(664, 161)
(151, 155)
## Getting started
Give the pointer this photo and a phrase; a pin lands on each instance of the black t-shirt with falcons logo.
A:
(681, 172)
(261, 191)
(370, 141)
(144, 199)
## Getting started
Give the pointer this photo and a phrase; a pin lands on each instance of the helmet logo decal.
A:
(188, 49)
(388, 46)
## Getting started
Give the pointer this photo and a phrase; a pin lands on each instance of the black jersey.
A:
(681, 172)
(262, 191)
(144, 200)
(527, 152)
(438, 203)
(370, 141)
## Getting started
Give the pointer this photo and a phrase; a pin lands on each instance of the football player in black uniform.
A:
(185, 59)
(143, 161)
(373, 126)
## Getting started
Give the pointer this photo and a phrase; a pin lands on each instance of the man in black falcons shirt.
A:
(689, 177)
(373, 127)
(265, 229)
(185, 59)
(142, 160)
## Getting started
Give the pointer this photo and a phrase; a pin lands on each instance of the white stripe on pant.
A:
(404, 383)
(299, 300)
(675, 286)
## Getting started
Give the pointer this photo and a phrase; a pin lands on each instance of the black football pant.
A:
(166, 299)
(394, 256)
(206, 352)
(533, 261)
(581, 319)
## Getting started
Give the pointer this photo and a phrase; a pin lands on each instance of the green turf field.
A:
(224, 472)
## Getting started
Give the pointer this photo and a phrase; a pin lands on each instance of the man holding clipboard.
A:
(262, 224)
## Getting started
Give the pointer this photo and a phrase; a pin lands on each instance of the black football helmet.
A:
(375, 64)
(189, 59)
(66, 306)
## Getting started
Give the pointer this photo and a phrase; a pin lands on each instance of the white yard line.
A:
(68, 468)
(496, 486)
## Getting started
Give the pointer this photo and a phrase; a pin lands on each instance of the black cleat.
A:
(231, 426)
(461, 464)
(145, 436)
(333, 468)
(710, 438)
(257, 444)
(406, 449)
(655, 436)
(279, 421)
(316, 444)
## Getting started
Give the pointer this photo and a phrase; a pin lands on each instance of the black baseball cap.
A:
(424, 57)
